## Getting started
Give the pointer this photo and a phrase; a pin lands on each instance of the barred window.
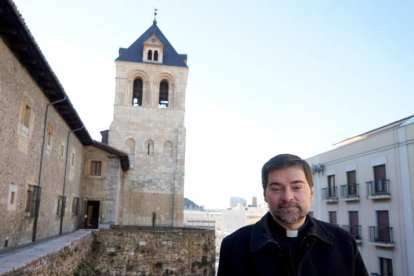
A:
(33, 200)
(60, 210)
(75, 206)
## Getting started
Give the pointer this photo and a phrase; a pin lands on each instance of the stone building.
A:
(51, 172)
(148, 124)
(54, 178)
(366, 185)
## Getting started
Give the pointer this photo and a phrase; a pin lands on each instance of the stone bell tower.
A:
(148, 124)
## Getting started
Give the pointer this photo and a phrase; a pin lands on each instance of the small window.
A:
(33, 200)
(163, 97)
(62, 150)
(12, 198)
(75, 206)
(26, 116)
(168, 147)
(72, 161)
(149, 148)
(49, 135)
(386, 266)
(61, 202)
(155, 55)
(95, 168)
(130, 143)
(149, 55)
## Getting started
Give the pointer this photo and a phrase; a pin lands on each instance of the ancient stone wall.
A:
(131, 250)
(154, 251)
(61, 262)
(22, 118)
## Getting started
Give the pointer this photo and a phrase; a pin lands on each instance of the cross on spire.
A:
(155, 16)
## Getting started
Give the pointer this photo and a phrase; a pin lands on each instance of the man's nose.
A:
(288, 194)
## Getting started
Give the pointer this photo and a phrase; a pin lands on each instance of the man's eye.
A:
(275, 189)
(297, 188)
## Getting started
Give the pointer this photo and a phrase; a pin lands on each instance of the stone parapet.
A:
(120, 250)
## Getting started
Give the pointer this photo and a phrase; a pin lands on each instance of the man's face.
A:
(289, 196)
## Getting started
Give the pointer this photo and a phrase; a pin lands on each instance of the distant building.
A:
(254, 202)
(366, 185)
(238, 202)
(190, 205)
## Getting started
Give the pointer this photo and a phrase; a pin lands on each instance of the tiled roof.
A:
(134, 52)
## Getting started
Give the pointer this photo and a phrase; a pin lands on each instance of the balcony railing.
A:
(350, 191)
(355, 230)
(379, 188)
(330, 194)
(381, 234)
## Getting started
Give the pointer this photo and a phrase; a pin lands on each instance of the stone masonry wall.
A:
(61, 262)
(20, 158)
(154, 251)
(130, 250)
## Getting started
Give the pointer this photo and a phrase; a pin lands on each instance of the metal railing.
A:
(378, 187)
(330, 193)
(380, 234)
(350, 190)
(355, 230)
(200, 223)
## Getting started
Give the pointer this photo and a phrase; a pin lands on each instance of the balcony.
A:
(355, 230)
(350, 192)
(330, 194)
(381, 236)
(379, 189)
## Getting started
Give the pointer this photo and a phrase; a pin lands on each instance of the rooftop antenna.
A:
(155, 16)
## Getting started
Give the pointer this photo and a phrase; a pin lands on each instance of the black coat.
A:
(323, 249)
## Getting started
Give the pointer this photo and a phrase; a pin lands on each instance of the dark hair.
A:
(283, 161)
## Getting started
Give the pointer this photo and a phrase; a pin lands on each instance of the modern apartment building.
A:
(366, 185)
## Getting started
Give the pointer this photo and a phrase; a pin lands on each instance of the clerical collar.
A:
(292, 233)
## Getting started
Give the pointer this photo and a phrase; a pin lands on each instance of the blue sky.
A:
(266, 77)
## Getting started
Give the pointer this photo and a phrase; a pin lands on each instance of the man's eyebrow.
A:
(297, 181)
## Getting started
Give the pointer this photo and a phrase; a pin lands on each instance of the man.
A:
(287, 241)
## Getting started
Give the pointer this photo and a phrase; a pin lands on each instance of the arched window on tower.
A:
(149, 55)
(130, 143)
(149, 148)
(163, 98)
(137, 93)
(168, 148)
(155, 55)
